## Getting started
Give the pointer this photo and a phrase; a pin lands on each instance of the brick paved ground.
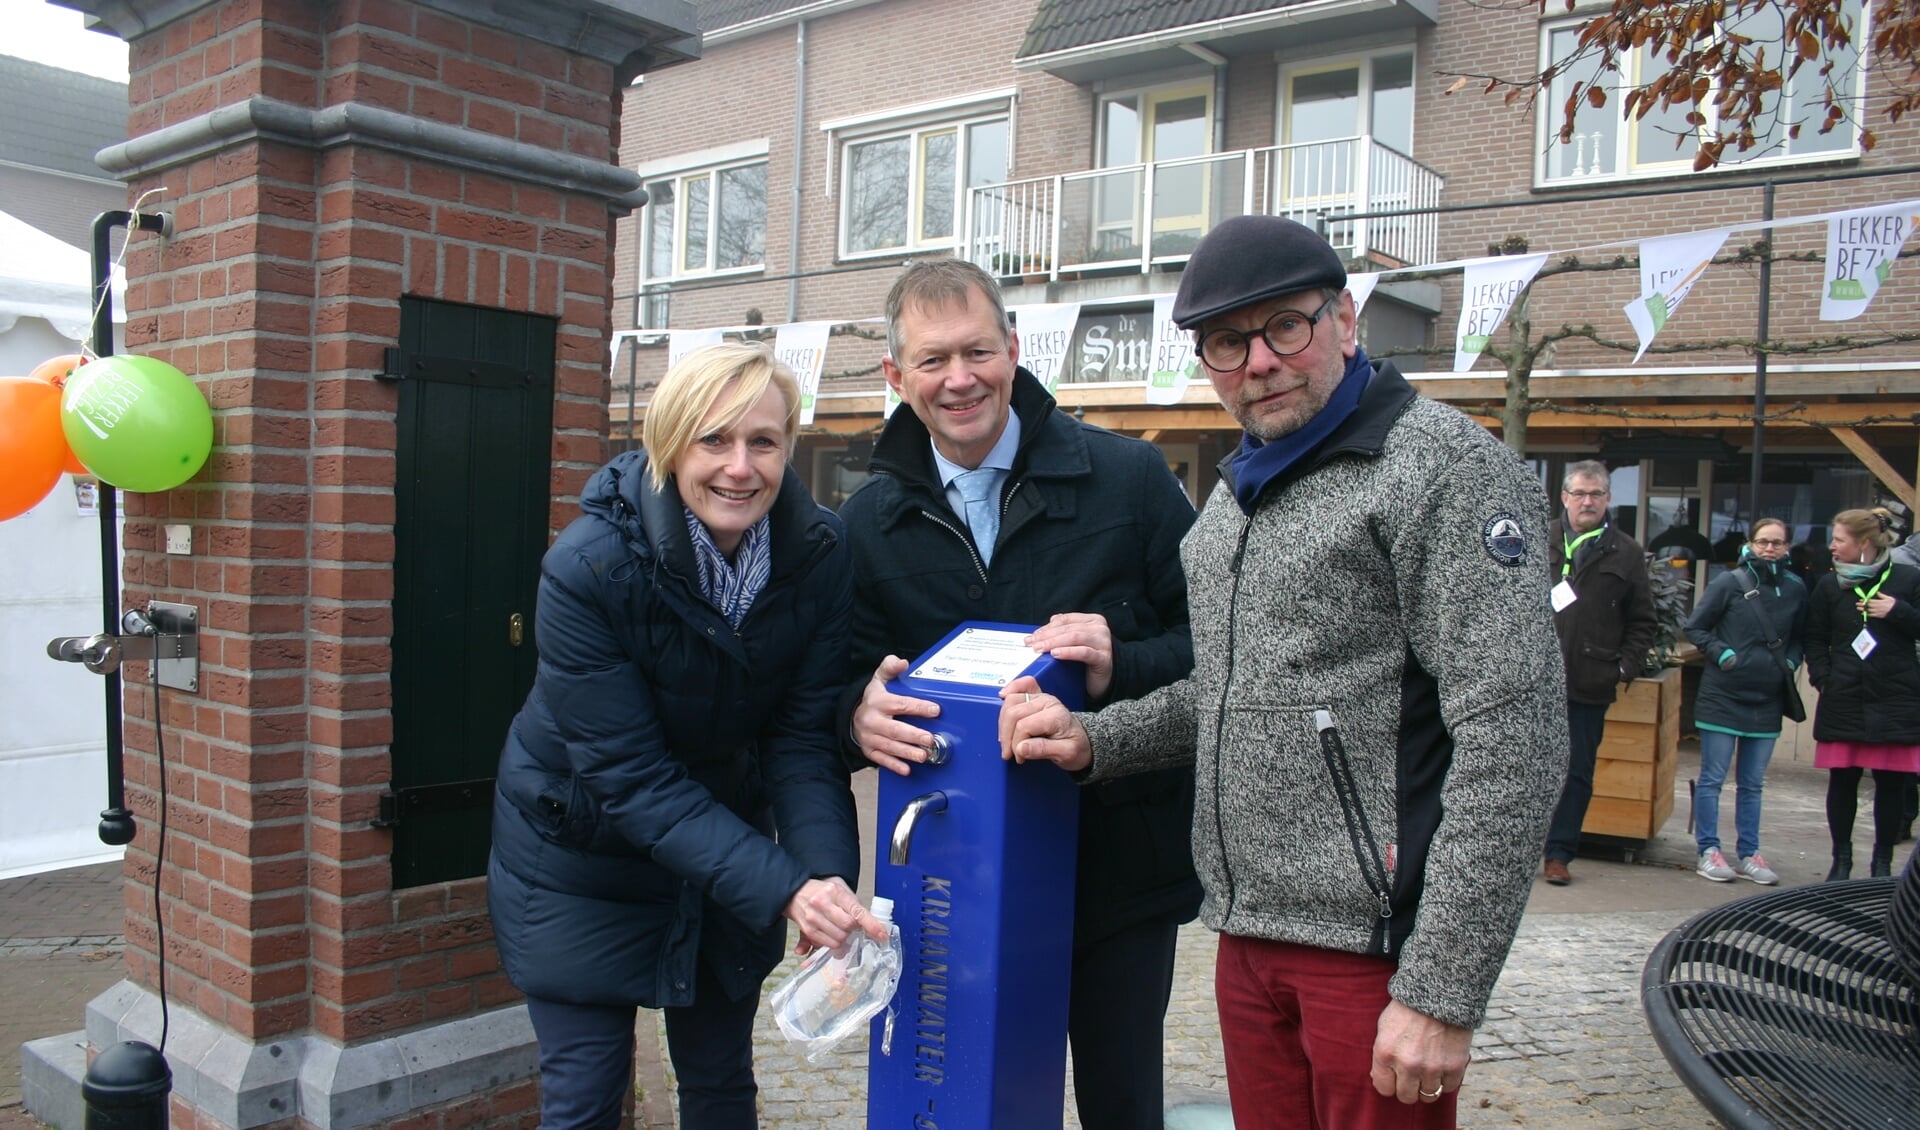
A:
(1564, 1047)
(1564, 1044)
(60, 947)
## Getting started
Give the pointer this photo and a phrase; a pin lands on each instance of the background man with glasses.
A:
(1374, 717)
(1603, 612)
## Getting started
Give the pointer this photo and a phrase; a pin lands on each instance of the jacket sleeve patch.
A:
(1504, 539)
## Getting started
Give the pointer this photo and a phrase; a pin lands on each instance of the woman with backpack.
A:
(1748, 626)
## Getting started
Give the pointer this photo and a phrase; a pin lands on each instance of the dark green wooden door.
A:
(475, 435)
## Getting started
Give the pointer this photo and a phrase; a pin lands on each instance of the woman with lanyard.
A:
(1862, 624)
(1748, 626)
(692, 626)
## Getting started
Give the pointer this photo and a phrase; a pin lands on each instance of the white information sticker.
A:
(982, 656)
(1562, 595)
(1864, 643)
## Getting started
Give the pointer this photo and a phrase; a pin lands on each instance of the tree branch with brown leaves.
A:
(1725, 69)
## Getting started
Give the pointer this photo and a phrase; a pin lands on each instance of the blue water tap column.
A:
(978, 856)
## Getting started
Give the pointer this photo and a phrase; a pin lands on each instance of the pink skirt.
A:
(1867, 755)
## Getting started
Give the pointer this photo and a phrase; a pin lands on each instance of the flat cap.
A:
(1250, 259)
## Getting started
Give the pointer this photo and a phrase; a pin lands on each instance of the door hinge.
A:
(454, 796)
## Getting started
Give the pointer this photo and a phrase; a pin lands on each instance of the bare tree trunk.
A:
(1520, 356)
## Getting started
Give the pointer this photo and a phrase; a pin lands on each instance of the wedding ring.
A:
(1029, 698)
(1433, 1094)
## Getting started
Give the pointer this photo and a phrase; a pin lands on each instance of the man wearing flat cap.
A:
(1376, 714)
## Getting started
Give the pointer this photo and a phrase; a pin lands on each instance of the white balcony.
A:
(1137, 216)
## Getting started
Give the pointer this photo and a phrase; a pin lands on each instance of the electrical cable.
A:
(160, 854)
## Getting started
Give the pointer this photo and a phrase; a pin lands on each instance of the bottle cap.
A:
(883, 908)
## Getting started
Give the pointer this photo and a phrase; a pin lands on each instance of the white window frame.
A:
(1363, 61)
(680, 170)
(914, 124)
(1550, 108)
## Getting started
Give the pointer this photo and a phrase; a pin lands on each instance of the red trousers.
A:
(1298, 1025)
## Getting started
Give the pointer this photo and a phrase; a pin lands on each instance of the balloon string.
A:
(87, 351)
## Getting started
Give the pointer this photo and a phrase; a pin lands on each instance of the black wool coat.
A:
(1876, 699)
(661, 749)
(1091, 522)
(1605, 634)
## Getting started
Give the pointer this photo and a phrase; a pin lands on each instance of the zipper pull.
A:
(1240, 550)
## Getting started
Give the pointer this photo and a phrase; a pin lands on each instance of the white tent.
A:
(52, 715)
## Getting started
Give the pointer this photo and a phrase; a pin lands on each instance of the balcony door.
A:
(1327, 112)
(1145, 128)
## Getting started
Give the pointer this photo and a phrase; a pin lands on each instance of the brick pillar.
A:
(321, 160)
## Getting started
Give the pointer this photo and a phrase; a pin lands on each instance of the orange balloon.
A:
(55, 371)
(33, 447)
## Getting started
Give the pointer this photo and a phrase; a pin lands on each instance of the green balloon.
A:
(138, 423)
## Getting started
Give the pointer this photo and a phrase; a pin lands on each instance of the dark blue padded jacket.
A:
(660, 750)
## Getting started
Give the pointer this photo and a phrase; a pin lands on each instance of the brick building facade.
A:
(387, 217)
(805, 95)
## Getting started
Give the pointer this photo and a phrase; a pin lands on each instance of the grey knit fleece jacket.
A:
(1380, 586)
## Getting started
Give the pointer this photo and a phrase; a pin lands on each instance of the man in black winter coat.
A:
(1603, 612)
(988, 503)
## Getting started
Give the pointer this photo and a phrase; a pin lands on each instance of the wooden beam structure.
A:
(1882, 470)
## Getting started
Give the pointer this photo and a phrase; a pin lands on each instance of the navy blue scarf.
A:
(1258, 463)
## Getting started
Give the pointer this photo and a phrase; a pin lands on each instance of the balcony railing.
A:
(1137, 216)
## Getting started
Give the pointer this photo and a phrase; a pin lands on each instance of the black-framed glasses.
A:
(1286, 333)
(1588, 495)
(1770, 543)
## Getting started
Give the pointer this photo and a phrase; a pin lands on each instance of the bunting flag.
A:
(1487, 293)
(803, 346)
(1861, 248)
(1046, 331)
(1361, 287)
(893, 401)
(1174, 362)
(682, 342)
(1863, 245)
(1669, 266)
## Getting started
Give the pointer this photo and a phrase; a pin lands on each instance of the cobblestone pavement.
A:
(60, 946)
(1564, 1045)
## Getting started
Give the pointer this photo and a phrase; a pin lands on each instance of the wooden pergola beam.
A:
(1121, 410)
(1882, 470)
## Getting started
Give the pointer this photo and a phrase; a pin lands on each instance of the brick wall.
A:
(901, 53)
(870, 59)
(278, 291)
(1486, 150)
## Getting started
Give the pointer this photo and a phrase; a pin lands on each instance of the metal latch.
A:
(166, 634)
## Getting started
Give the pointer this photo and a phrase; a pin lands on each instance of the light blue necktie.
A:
(983, 515)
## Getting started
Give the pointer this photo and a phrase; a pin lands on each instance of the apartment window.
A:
(906, 190)
(1161, 126)
(1371, 96)
(1606, 146)
(706, 220)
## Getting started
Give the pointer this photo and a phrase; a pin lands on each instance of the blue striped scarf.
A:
(728, 586)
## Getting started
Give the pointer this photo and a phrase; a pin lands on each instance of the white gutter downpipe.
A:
(1218, 62)
(799, 163)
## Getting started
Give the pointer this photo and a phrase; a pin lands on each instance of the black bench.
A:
(1791, 1009)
